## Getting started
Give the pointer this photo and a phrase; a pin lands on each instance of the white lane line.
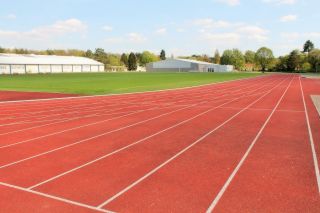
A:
(60, 121)
(133, 144)
(78, 127)
(94, 137)
(122, 102)
(182, 151)
(55, 198)
(153, 91)
(91, 138)
(314, 154)
(100, 108)
(97, 114)
(235, 171)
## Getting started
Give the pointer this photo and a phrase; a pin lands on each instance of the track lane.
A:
(11, 154)
(139, 165)
(278, 175)
(185, 182)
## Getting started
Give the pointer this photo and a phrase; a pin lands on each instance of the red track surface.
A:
(251, 145)
(15, 96)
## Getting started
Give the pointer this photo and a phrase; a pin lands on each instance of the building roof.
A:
(193, 61)
(31, 59)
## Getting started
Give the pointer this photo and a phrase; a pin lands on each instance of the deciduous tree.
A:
(264, 58)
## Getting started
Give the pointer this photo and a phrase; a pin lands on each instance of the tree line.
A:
(305, 60)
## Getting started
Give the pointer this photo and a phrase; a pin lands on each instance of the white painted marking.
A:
(181, 152)
(91, 138)
(94, 137)
(55, 197)
(235, 171)
(74, 128)
(314, 154)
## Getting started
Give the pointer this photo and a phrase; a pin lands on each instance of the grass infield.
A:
(111, 83)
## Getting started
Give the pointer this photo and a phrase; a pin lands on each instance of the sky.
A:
(181, 27)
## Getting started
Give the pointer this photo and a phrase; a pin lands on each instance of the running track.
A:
(250, 145)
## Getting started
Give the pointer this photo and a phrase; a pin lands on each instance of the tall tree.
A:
(293, 60)
(124, 59)
(233, 57)
(249, 57)
(216, 58)
(2, 50)
(308, 46)
(132, 62)
(314, 59)
(147, 57)
(264, 57)
(89, 54)
(163, 55)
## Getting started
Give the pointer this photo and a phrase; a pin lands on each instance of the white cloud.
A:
(115, 40)
(222, 37)
(180, 30)
(288, 18)
(253, 32)
(107, 28)
(279, 2)
(59, 28)
(232, 31)
(208, 23)
(136, 38)
(129, 38)
(61, 34)
(11, 16)
(229, 2)
(161, 31)
(294, 36)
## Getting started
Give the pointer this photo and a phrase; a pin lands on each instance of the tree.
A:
(293, 60)
(2, 50)
(101, 56)
(204, 58)
(147, 57)
(163, 55)
(282, 64)
(132, 62)
(264, 57)
(233, 57)
(249, 57)
(124, 59)
(89, 54)
(308, 46)
(216, 58)
(314, 59)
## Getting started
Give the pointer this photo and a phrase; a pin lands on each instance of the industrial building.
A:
(186, 65)
(24, 64)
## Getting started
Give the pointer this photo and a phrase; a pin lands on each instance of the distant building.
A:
(23, 64)
(186, 65)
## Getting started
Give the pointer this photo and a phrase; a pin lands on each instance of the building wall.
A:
(4, 69)
(171, 66)
(184, 66)
(43, 68)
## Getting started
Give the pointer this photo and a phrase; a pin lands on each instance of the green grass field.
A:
(111, 83)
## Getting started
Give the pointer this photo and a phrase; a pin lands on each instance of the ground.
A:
(250, 145)
(107, 83)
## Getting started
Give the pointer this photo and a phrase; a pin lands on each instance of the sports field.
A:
(250, 145)
(107, 83)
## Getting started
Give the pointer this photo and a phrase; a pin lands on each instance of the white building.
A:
(22, 64)
(186, 65)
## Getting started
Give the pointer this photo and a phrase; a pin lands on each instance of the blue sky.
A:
(180, 27)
